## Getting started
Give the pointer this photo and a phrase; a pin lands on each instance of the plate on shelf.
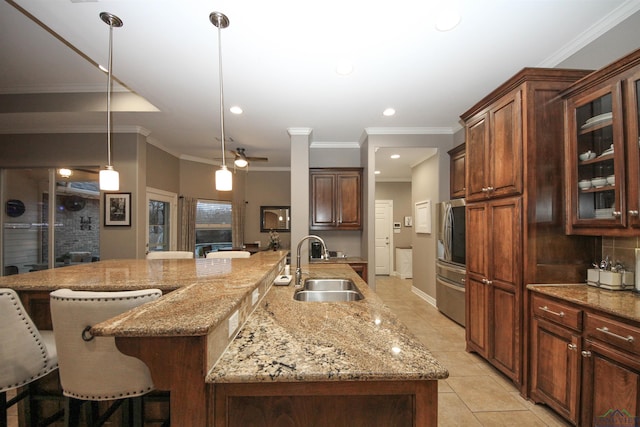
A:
(596, 119)
(607, 151)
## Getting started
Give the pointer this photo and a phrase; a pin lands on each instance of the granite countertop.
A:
(287, 341)
(625, 304)
(336, 260)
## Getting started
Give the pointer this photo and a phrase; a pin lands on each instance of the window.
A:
(213, 226)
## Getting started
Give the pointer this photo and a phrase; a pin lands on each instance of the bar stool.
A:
(170, 255)
(26, 355)
(92, 368)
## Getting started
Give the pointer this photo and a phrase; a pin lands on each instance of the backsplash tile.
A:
(621, 249)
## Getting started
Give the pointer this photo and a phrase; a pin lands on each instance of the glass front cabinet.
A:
(601, 151)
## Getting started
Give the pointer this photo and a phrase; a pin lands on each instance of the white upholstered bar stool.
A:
(170, 255)
(92, 368)
(26, 355)
(229, 254)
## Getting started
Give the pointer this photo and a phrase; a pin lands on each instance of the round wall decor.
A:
(15, 208)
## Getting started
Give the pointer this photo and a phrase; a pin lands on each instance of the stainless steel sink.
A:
(328, 290)
(329, 285)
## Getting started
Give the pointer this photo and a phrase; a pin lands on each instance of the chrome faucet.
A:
(325, 255)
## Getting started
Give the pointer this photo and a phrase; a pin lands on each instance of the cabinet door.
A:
(505, 148)
(457, 172)
(610, 386)
(323, 213)
(348, 201)
(477, 316)
(595, 158)
(555, 367)
(477, 289)
(633, 152)
(477, 135)
(505, 277)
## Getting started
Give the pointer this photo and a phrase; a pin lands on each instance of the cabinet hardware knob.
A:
(572, 347)
(633, 213)
(484, 189)
(616, 214)
(546, 309)
(585, 353)
(485, 281)
(490, 188)
(605, 330)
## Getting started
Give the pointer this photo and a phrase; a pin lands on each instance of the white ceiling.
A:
(279, 60)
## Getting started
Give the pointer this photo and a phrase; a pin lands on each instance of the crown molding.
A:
(327, 144)
(409, 131)
(605, 24)
(299, 131)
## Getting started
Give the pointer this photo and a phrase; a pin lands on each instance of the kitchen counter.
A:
(287, 340)
(625, 304)
(359, 348)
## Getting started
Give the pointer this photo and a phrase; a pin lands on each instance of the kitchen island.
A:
(314, 350)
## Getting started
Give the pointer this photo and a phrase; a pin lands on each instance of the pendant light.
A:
(223, 175)
(109, 178)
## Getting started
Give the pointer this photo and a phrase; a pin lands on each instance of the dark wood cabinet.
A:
(493, 282)
(601, 151)
(589, 373)
(360, 268)
(335, 199)
(495, 160)
(515, 224)
(457, 179)
(556, 356)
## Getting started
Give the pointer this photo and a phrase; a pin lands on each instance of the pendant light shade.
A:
(224, 179)
(223, 175)
(109, 178)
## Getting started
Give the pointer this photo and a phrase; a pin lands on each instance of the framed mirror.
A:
(276, 218)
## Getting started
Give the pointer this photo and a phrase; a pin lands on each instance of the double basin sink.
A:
(328, 290)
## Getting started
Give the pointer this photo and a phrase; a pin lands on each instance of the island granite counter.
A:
(295, 355)
(351, 358)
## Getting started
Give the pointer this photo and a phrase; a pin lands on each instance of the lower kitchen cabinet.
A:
(588, 373)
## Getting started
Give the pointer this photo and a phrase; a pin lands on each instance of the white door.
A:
(162, 232)
(384, 236)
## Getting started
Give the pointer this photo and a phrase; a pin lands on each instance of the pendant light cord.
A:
(109, 84)
(224, 164)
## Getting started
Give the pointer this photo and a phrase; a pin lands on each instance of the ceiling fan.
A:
(241, 160)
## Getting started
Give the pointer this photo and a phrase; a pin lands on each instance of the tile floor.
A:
(475, 394)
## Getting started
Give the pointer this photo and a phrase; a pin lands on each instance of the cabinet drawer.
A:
(616, 333)
(556, 312)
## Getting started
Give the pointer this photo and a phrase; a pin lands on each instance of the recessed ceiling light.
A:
(236, 110)
(389, 112)
(377, 172)
(344, 68)
(447, 19)
(395, 156)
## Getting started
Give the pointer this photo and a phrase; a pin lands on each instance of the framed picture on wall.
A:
(423, 217)
(117, 209)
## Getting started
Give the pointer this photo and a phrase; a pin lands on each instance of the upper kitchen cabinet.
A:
(457, 181)
(601, 151)
(494, 149)
(336, 199)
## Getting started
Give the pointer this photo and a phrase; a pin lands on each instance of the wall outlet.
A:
(233, 323)
(254, 296)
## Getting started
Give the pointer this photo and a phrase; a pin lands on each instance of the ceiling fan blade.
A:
(257, 159)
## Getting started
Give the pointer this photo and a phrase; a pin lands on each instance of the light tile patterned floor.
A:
(475, 394)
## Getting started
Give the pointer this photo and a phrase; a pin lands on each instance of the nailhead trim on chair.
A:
(118, 396)
(43, 349)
